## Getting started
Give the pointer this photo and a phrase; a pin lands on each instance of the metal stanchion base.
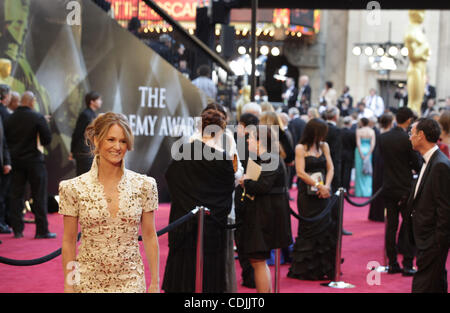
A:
(340, 285)
(382, 269)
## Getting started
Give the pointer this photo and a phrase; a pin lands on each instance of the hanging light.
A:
(404, 51)
(275, 51)
(368, 51)
(264, 50)
(380, 51)
(219, 48)
(242, 50)
(356, 50)
(393, 50)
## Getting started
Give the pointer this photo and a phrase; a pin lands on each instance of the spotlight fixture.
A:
(380, 51)
(356, 50)
(368, 51)
(275, 51)
(404, 51)
(264, 50)
(393, 50)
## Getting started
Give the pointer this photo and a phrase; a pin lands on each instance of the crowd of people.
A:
(377, 143)
(23, 133)
(315, 150)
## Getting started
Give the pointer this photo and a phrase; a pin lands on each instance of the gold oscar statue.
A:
(419, 54)
(5, 72)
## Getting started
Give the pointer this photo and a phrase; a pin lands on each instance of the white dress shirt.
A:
(426, 157)
(206, 85)
(376, 104)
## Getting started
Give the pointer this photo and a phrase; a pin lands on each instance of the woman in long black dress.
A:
(315, 246)
(265, 215)
(208, 182)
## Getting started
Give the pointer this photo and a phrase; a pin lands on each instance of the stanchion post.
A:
(384, 268)
(337, 274)
(337, 283)
(276, 288)
(199, 263)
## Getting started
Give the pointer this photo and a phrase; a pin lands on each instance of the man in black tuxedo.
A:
(334, 140)
(5, 168)
(345, 102)
(23, 129)
(304, 94)
(430, 93)
(79, 150)
(348, 152)
(430, 204)
(5, 161)
(296, 125)
(290, 94)
(399, 162)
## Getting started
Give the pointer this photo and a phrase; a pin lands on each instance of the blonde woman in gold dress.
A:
(110, 203)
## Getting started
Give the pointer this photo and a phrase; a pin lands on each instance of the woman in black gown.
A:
(313, 257)
(266, 221)
(207, 181)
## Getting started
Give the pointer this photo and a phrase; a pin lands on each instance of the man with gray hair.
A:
(296, 125)
(253, 108)
(304, 94)
(26, 130)
(375, 102)
(334, 140)
(289, 96)
(5, 98)
(14, 102)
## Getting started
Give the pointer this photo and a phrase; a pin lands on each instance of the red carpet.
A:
(364, 246)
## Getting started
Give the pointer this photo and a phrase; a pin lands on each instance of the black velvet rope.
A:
(37, 261)
(364, 203)
(56, 253)
(320, 215)
(173, 225)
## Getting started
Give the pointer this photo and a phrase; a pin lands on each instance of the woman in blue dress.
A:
(365, 144)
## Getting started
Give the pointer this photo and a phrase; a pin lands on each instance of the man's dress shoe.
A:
(45, 236)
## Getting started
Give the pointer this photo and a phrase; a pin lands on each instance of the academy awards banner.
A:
(61, 49)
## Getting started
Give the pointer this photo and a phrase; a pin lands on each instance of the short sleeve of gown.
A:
(151, 195)
(67, 200)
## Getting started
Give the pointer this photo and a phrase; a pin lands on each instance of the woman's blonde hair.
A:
(100, 127)
(313, 113)
(270, 118)
(266, 107)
